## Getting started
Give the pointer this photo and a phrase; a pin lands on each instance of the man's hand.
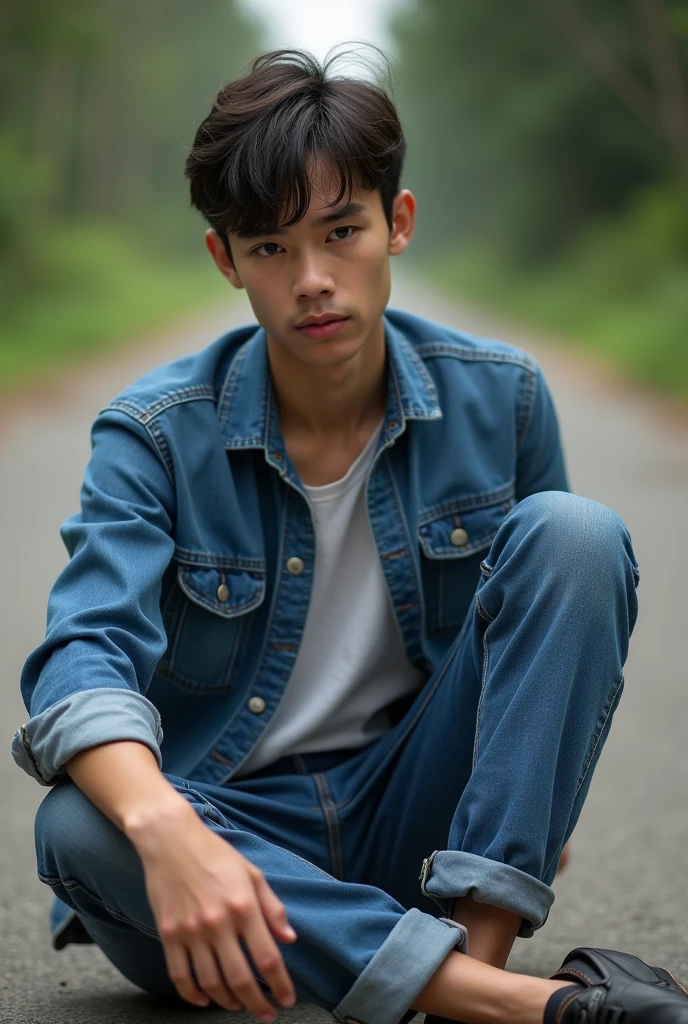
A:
(205, 896)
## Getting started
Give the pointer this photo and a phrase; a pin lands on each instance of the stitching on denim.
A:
(154, 432)
(193, 393)
(227, 393)
(259, 662)
(486, 662)
(397, 389)
(483, 613)
(243, 442)
(205, 602)
(168, 670)
(71, 884)
(456, 554)
(425, 379)
(526, 406)
(332, 822)
(310, 863)
(160, 442)
(443, 348)
(209, 561)
(468, 504)
(122, 405)
(596, 739)
(403, 528)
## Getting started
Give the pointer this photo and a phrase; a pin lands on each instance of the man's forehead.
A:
(323, 209)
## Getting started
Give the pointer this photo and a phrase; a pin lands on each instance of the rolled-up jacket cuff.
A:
(84, 719)
(449, 874)
(400, 969)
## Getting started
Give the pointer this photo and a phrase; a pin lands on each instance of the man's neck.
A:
(330, 402)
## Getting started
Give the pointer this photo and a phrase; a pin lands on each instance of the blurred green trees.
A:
(548, 148)
(98, 101)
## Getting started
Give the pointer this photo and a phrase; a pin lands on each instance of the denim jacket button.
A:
(458, 537)
(222, 592)
(256, 705)
(295, 566)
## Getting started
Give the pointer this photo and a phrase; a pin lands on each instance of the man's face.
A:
(338, 267)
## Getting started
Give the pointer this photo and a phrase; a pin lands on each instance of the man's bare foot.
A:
(564, 858)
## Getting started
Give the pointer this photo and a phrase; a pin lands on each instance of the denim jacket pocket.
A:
(207, 616)
(453, 538)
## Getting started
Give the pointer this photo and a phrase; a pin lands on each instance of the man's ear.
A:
(216, 248)
(403, 221)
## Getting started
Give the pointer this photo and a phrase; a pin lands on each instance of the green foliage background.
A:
(548, 149)
(99, 100)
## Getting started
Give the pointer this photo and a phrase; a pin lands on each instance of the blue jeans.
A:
(478, 785)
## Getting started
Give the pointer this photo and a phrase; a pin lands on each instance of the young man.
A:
(331, 617)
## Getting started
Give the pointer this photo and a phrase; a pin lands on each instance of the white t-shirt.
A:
(351, 663)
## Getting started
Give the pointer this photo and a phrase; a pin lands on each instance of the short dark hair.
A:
(249, 158)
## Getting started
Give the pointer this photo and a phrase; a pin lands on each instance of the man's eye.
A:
(341, 238)
(263, 246)
(348, 227)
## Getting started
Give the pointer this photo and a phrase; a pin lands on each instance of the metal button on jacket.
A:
(295, 566)
(458, 537)
(256, 704)
(222, 592)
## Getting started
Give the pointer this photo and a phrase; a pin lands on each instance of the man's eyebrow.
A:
(350, 210)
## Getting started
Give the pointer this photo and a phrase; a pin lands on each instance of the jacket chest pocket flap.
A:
(207, 617)
(454, 537)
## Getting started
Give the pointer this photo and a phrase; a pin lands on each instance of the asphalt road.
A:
(625, 887)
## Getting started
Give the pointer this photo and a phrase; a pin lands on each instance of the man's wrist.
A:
(150, 825)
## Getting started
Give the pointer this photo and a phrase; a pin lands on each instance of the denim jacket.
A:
(178, 618)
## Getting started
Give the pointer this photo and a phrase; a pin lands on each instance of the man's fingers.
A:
(274, 911)
(239, 977)
(179, 971)
(209, 977)
(268, 958)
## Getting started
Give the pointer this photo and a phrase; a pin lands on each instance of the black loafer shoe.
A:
(591, 966)
(619, 987)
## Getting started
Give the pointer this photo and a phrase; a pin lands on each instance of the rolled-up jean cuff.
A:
(453, 873)
(400, 969)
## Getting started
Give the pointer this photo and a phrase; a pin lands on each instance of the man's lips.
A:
(326, 329)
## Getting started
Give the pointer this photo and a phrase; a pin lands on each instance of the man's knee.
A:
(74, 840)
(574, 532)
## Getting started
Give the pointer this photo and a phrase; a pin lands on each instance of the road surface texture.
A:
(625, 886)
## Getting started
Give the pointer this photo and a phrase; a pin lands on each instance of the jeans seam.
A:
(332, 822)
(595, 744)
(596, 739)
(485, 615)
(483, 683)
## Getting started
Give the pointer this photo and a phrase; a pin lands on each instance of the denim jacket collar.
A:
(248, 414)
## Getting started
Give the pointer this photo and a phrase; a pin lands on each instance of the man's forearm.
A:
(123, 780)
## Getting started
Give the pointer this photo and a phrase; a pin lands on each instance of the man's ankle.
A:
(473, 992)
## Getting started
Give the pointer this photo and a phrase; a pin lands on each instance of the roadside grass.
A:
(621, 290)
(95, 288)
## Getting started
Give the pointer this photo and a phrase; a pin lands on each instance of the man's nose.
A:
(312, 279)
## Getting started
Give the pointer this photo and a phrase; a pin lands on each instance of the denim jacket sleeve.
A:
(541, 465)
(85, 684)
